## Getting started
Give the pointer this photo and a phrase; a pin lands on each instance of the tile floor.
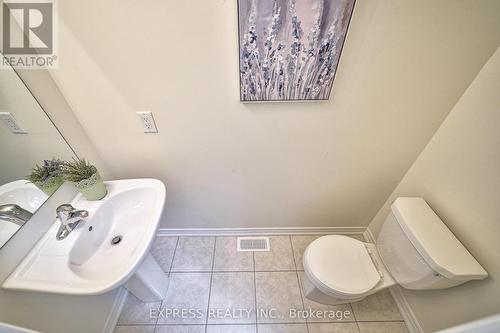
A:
(208, 276)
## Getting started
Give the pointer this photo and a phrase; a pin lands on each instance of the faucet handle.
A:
(63, 211)
(70, 218)
(65, 208)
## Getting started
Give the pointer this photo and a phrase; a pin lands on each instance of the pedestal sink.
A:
(109, 249)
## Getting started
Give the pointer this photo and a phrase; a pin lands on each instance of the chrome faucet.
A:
(14, 214)
(70, 218)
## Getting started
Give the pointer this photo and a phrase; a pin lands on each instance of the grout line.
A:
(380, 321)
(352, 312)
(302, 300)
(181, 324)
(293, 253)
(173, 256)
(133, 324)
(241, 271)
(355, 319)
(255, 294)
(169, 269)
(298, 281)
(234, 271)
(270, 323)
(211, 279)
(188, 272)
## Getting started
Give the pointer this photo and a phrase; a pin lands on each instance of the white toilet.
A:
(414, 249)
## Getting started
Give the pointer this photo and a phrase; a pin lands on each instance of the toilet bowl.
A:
(414, 249)
(340, 269)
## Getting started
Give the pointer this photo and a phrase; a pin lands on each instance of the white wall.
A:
(458, 173)
(20, 152)
(43, 87)
(228, 164)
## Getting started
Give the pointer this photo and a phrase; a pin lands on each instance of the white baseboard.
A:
(260, 231)
(406, 312)
(118, 304)
(369, 236)
(397, 293)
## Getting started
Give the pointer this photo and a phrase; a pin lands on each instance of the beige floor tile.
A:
(235, 292)
(187, 291)
(377, 307)
(163, 249)
(194, 254)
(134, 329)
(277, 293)
(279, 258)
(382, 327)
(231, 328)
(333, 328)
(180, 329)
(136, 312)
(282, 328)
(227, 257)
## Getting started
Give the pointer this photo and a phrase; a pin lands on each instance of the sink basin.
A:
(101, 253)
(23, 194)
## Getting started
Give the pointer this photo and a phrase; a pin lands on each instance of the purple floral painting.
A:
(290, 49)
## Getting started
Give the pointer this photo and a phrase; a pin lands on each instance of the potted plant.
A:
(86, 178)
(48, 176)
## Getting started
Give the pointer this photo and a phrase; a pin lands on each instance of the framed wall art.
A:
(290, 49)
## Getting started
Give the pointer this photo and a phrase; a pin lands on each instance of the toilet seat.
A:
(341, 266)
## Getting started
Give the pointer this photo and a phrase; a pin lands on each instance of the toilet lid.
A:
(341, 265)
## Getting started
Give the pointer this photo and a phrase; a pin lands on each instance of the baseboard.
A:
(397, 293)
(118, 304)
(406, 312)
(369, 236)
(260, 231)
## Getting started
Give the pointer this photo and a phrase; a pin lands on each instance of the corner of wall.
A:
(46, 92)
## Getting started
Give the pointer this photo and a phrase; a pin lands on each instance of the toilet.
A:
(414, 249)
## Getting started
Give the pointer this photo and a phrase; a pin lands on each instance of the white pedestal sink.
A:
(109, 249)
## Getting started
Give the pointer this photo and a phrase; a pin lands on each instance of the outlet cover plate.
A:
(148, 122)
(11, 123)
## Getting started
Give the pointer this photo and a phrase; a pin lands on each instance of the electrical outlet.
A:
(148, 122)
(11, 123)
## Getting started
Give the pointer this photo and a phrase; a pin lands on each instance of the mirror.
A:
(27, 138)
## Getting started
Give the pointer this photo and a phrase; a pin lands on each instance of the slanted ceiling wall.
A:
(458, 173)
(228, 164)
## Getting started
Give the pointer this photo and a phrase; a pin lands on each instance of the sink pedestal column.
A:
(149, 283)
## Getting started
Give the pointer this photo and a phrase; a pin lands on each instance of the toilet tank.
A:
(419, 250)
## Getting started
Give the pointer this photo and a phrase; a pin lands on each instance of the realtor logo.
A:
(28, 33)
(27, 27)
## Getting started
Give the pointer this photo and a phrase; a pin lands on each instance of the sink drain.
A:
(116, 240)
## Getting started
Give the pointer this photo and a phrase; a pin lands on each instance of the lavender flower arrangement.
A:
(281, 61)
(41, 174)
(85, 177)
(48, 176)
